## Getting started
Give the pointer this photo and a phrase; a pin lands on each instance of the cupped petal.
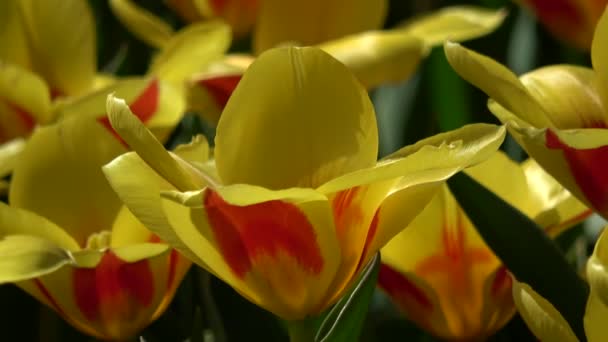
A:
(315, 21)
(142, 23)
(62, 41)
(59, 176)
(554, 208)
(416, 299)
(378, 57)
(540, 315)
(142, 141)
(595, 319)
(498, 82)
(599, 56)
(286, 114)
(279, 245)
(24, 101)
(190, 50)
(13, 35)
(442, 248)
(27, 256)
(569, 96)
(104, 294)
(456, 23)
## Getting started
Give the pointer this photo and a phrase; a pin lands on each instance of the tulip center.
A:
(99, 241)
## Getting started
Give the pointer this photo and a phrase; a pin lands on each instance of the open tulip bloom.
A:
(294, 204)
(558, 114)
(440, 272)
(66, 238)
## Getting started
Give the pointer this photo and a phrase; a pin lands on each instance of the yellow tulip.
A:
(440, 272)
(294, 204)
(548, 324)
(68, 241)
(375, 57)
(573, 21)
(558, 114)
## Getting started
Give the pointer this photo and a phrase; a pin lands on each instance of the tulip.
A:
(67, 240)
(294, 204)
(440, 272)
(375, 57)
(545, 321)
(572, 21)
(558, 114)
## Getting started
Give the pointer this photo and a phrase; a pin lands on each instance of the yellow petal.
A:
(196, 151)
(62, 37)
(139, 187)
(190, 50)
(59, 176)
(378, 57)
(13, 35)
(106, 296)
(26, 256)
(15, 221)
(24, 101)
(568, 95)
(542, 318)
(9, 155)
(599, 55)
(597, 271)
(142, 23)
(285, 115)
(497, 81)
(142, 141)
(595, 319)
(281, 21)
(555, 209)
(191, 10)
(281, 244)
(457, 23)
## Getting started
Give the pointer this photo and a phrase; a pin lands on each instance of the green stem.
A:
(301, 331)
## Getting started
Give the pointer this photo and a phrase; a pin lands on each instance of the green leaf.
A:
(524, 248)
(345, 320)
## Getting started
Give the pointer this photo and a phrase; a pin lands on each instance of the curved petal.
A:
(142, 141)
(597, 270)
(208, 95)
(15, 221)
(568, 95)
(9, 155)
(498, 82)
(190, 50)
(62, 38)
(104, 295)
(24, 102)
(285, 115)
(142, 23)
(378, 57)
(13, 35)
(27, 256)
(240, 14)
(595, 319)
(541, 317)
(457, 23)
(59, 177)
(314, 21)
(599, 56)
(190, 10)
(498, 305)
(280, 244)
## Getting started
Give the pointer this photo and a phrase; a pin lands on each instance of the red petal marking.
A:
(114, 286)
(220, 88)
(373, 227)
(502, 282)
(26, 120)
(55, 93)
(403, 290)
(48, 297)
(588, 168)
(144, 107)
(347, 211)
(456, 259)
(218, 5)
(265, 229)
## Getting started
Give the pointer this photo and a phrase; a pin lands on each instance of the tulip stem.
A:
(301, 331)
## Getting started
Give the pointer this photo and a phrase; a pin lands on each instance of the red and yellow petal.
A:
(599, 56)
(208, 95)
(106, 294)
(278, 248)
